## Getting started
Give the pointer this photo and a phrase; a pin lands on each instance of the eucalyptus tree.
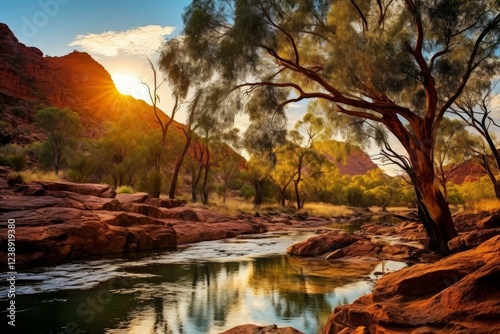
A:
(308, 162)
(188, 132)
(61, 126)
(179, 72)
(157, 116)
(399, 63)
(266, 132)
(214, 150)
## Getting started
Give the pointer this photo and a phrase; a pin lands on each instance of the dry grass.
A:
(232, 207)
(487, 205)
(235, 206)
(36, 175)
(326, 210)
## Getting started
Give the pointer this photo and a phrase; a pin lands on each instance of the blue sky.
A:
(52, 25)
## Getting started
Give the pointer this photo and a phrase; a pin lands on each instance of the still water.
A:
(202, 288)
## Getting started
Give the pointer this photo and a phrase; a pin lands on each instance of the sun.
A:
(129, 84)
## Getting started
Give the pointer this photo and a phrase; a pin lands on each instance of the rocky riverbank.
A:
(63, 221)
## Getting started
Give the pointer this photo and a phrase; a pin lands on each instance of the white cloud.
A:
(140, 40)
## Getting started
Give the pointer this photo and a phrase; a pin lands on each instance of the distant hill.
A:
(467, 172)
(349, 159)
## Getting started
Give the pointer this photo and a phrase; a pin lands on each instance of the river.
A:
(206, 287)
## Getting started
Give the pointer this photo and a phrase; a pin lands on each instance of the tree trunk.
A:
(282, 198)
(177, 168)
(204, 191)
(297, 194)
(433, 209)
(194, 185)
(259, 190)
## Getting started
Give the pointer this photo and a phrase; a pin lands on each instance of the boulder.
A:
(165, 203)
(458, 294)
(89, 202)
(491, 221)
(361, 248)
(146, 237)
(400, 252)
(32, 189)
(125, 199)
(16, 203)
(99, 190)
(323, 243)
(190, 214)
(143, 209)
(469, 240)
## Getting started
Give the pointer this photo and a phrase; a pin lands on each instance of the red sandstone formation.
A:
(468, 172)
(459, 294)
(358, 163)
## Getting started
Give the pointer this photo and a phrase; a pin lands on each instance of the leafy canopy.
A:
(393, 62)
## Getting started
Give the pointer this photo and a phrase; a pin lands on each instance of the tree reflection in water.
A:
(207, 297)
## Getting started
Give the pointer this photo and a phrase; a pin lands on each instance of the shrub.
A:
(36, 175)
(152, 183)
(247, 191)
(82, 170)
(125, 190)
(13, 156)
(16, 162)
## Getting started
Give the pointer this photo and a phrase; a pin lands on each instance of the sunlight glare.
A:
(128, 84)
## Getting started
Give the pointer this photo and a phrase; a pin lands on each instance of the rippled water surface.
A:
(203, 288)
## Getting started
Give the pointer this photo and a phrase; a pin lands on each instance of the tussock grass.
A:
(125, 190)
(37, 175)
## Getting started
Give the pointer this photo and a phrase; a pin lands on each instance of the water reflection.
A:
(155, 295)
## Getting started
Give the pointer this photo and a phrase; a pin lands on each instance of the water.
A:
(203, 288)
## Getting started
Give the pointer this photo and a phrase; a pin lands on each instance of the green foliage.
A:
(13, 156)
(247, 191)
(355, 196)
(82, 169)
(152, 184)
(42, 151)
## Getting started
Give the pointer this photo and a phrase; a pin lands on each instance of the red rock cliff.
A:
(76, 81)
